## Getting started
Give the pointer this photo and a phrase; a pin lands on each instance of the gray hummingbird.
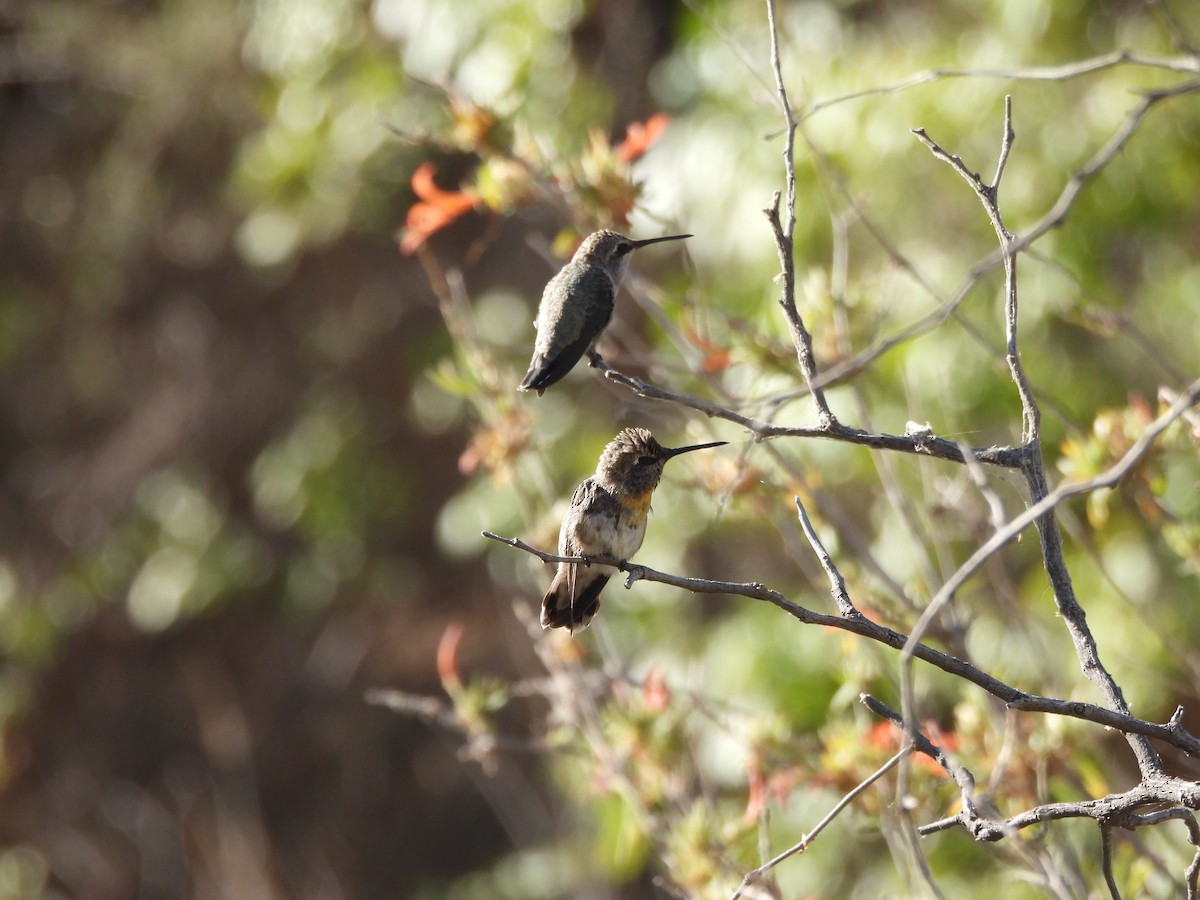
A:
(607, 517)
(577, 305)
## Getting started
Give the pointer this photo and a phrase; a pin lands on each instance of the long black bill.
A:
(670, 237)
(668, 452)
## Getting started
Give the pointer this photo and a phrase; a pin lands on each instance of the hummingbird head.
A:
(612, 251)
(633, 461)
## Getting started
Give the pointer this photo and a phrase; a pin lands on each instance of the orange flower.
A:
(656, 696)
(886, 736)
(436, 210)
(447, 656)
(715, 358)
(882, 735)
(756, 795)
(640, 135)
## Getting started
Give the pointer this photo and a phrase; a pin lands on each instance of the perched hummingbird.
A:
(578, 303)
(607, 518)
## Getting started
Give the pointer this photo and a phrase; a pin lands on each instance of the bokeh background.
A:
(246, 448)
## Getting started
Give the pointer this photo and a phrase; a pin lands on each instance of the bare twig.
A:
(1117, 808)
(837, 584)
(979, 478)
(755, 874)
(550, 557)
(784, 230)
(1101, 158)
(480, 744)
(1106, 837)
(1032, 73)
(987, 194)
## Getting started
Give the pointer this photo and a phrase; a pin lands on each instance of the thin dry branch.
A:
(478, 745)
(1172, 733)
(922, 444)
(1119, 809)
(1106, 838)
(988, 197)
(837, 584)
(1064, 72)
(784, 231)
(755, 874)
(1106, 154)
(979, 479)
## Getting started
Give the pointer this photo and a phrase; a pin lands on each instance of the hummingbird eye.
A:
(645, 460)
(623, 248)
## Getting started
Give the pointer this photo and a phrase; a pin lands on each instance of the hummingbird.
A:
(607, 517)
(577, 305)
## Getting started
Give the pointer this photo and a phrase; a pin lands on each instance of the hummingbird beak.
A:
(668, 452)
(670, 237)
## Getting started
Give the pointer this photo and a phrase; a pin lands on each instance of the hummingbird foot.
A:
(595, 360)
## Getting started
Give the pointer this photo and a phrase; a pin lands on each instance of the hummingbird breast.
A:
(600, 523)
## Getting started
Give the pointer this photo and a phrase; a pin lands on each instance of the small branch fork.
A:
(1111, 812)
(784, 230)
(988, 194)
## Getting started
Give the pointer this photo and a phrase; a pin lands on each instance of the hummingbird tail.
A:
(573, 599)
(546, 370)
(535, 379)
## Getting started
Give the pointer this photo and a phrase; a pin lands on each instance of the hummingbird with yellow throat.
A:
(577, 305)
(607, 517)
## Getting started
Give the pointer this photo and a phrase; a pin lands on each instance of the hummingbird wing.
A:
(576, 306)
(574, 595)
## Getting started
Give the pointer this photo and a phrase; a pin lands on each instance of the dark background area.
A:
(228, 752)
